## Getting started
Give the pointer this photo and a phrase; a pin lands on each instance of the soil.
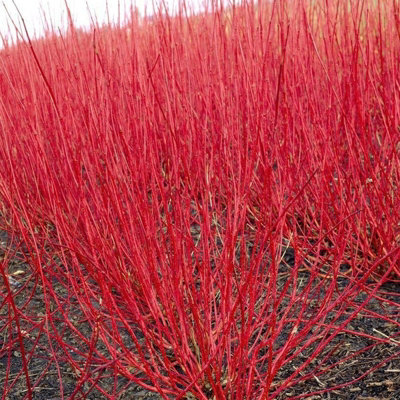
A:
(382, 383)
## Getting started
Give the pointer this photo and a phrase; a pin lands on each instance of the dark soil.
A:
(51, 377)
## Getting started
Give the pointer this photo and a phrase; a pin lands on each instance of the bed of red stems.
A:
(155, 175)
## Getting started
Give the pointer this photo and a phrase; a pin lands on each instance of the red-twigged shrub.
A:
(187, 192)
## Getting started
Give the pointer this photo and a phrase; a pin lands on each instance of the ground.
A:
(382, 384)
